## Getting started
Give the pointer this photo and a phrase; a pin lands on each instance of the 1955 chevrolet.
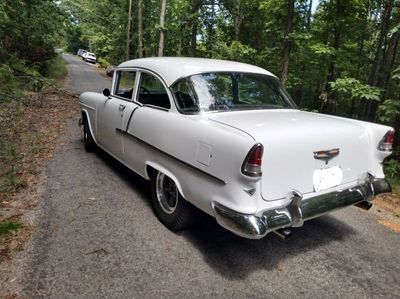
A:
(226, 138)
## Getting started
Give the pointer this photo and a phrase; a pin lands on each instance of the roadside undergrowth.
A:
(390, 203)
(29, 132)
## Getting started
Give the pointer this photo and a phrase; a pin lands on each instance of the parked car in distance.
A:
(89, 57)
(226, 138)
(110, 70)
(81, 52)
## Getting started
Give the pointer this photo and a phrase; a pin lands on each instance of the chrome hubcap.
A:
(167, 193)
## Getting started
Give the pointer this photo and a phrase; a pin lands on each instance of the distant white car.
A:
(81, 52)
(226, 138)
(89, 57)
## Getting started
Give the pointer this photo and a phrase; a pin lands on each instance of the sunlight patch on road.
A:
(391, 225)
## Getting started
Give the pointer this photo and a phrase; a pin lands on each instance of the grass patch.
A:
(10, 180)
(8, 226)
(56, 68)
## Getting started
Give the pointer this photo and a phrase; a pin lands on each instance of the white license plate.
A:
(327, 178)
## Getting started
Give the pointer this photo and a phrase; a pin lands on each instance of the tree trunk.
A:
(239, 15)
(140, 28)
(369, 109)
(396, 127)
(330, 104)
(196, 4)
(360, 51)
(382, 35)
(384, 75)
(298, 90)
(193, 39)
(128, 31)
(309, 11)
(211, 30)
(287, 44)
(162, 29)
(387, 63)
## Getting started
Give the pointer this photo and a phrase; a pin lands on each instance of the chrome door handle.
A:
(122, 107)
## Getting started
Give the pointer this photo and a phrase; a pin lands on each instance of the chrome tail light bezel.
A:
(384, 145)
(249, 169)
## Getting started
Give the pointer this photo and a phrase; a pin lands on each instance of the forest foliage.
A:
(335, 56)
(29, 32)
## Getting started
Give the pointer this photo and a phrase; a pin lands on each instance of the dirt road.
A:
(97, 237)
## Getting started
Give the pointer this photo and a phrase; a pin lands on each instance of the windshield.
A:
(230, 91)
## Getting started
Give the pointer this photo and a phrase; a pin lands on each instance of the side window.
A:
(124, 84)
(152, 92)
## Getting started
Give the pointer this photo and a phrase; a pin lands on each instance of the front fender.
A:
(85, 114)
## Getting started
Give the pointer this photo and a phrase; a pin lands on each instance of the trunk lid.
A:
(290, 138)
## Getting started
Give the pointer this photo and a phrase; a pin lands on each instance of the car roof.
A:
(174, 68)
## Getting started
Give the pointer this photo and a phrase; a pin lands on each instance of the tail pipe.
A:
(284, 233)
(365, 205)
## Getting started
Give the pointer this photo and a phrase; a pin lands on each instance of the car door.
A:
(152, 96)
(115, 111)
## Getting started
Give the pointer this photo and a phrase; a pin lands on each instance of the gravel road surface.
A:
(98, 237)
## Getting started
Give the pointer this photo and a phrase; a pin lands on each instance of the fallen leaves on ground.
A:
(29, 132)
(391, 225)
(390, 202)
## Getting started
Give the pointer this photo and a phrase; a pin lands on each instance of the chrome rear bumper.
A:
(299, 210)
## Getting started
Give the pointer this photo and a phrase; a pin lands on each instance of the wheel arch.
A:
(85, 116)
(151, 167)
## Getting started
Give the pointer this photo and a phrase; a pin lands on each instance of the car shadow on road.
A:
(234, 257)
(141, 186)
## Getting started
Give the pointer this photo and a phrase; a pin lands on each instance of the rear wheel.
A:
(88, 140)
(169, 205)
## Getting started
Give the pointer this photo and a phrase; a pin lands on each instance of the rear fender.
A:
(164, 170)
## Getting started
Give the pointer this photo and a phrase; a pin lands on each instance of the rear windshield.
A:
(230, 92)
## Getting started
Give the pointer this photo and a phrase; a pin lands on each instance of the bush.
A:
(54, 68)
(15, 78)
(392, 170)
(103, 63)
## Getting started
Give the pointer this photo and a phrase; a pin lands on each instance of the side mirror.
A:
(106, 92)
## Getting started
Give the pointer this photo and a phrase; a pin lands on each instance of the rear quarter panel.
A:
(375, 132)
(188, 139)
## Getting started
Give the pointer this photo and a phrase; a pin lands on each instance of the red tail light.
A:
(252, 164)
(386, 144)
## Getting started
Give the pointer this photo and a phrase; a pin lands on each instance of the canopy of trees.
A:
(334, 56)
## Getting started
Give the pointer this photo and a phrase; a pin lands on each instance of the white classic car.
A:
(226, 138)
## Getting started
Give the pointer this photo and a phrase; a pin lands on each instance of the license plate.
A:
(327, 178)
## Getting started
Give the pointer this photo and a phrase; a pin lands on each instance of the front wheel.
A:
(88, 140)
(169, 205)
